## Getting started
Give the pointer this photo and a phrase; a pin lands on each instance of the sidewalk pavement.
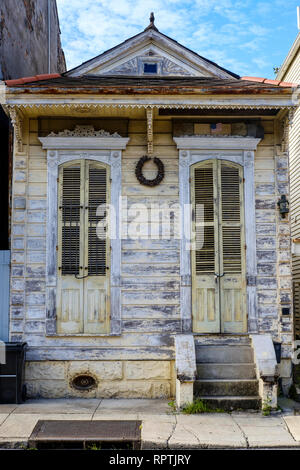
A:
(161, 427)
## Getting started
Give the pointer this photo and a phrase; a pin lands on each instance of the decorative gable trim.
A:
(137, 44)
(83, 131)
(84, 137)
(133, 64)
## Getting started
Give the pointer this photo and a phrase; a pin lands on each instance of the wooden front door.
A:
(83, 257)
(218, 260)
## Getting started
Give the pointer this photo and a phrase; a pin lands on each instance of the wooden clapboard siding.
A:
(150, 268)
(266, 229)
(292, 74)
(34, 272)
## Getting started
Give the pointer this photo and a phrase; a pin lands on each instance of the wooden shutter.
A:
(96, 284)
(204, 196)
(205, 261)
(83, 278)
(70, 220)
(232, 249)
(231, 218)
(70, 248)
(96, 196)
(218, 267)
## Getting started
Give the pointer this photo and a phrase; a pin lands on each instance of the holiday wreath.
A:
(160, 171)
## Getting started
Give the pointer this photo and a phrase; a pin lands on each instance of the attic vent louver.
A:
(150, 68)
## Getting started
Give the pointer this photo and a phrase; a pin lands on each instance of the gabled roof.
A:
(138, 44)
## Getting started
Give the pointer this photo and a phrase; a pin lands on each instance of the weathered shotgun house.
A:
(144, 278)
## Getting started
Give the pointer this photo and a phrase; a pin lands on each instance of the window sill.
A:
(86, 335)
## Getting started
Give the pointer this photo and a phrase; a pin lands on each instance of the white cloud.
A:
(225, 31)
(258, 30)
(261, 62)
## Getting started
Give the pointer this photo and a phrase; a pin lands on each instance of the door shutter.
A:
(70, 220)
(83, 277)
(232, 252)
(205, 294)
(231, 218)
(70, 252)
(218, 264)
(96, 282)
(96, 197)
(204, 214)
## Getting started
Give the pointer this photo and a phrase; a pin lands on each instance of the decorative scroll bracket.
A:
(149, 112)
(17, 121)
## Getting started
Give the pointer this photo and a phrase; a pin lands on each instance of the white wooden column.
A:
(185, 253)
(250, 235)
(115, 243)
(51, 242)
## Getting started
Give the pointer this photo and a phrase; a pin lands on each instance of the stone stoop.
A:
(226, 373)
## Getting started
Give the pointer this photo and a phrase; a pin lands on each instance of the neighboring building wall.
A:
(294, 153)
(24, 39)
(140, 362)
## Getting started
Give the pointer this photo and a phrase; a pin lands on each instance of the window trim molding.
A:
(233, 149)
(150, 60)
(61, 150)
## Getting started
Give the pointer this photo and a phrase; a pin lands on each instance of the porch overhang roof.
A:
(242, 97)
(91, 93)
(129, 85)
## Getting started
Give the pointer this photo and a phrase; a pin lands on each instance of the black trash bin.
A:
(12, 388)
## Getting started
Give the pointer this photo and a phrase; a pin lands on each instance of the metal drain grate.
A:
(67, 434)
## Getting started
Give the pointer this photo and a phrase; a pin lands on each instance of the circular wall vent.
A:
(84, 382)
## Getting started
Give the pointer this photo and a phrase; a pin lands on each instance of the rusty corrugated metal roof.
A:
(116, 84)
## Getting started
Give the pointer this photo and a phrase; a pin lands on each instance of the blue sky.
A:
(248, 37)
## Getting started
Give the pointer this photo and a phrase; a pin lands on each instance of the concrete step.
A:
(224, 354)
(226, 371)
(220, 387)
(232, 403)
(222, 340)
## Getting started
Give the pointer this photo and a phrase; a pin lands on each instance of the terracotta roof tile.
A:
(270, 82)
(13, 82)
(288, 84)
(45, 76)
(254, 79)
(35, 78)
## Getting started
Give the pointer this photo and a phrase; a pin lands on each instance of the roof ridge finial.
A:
(151, 25)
